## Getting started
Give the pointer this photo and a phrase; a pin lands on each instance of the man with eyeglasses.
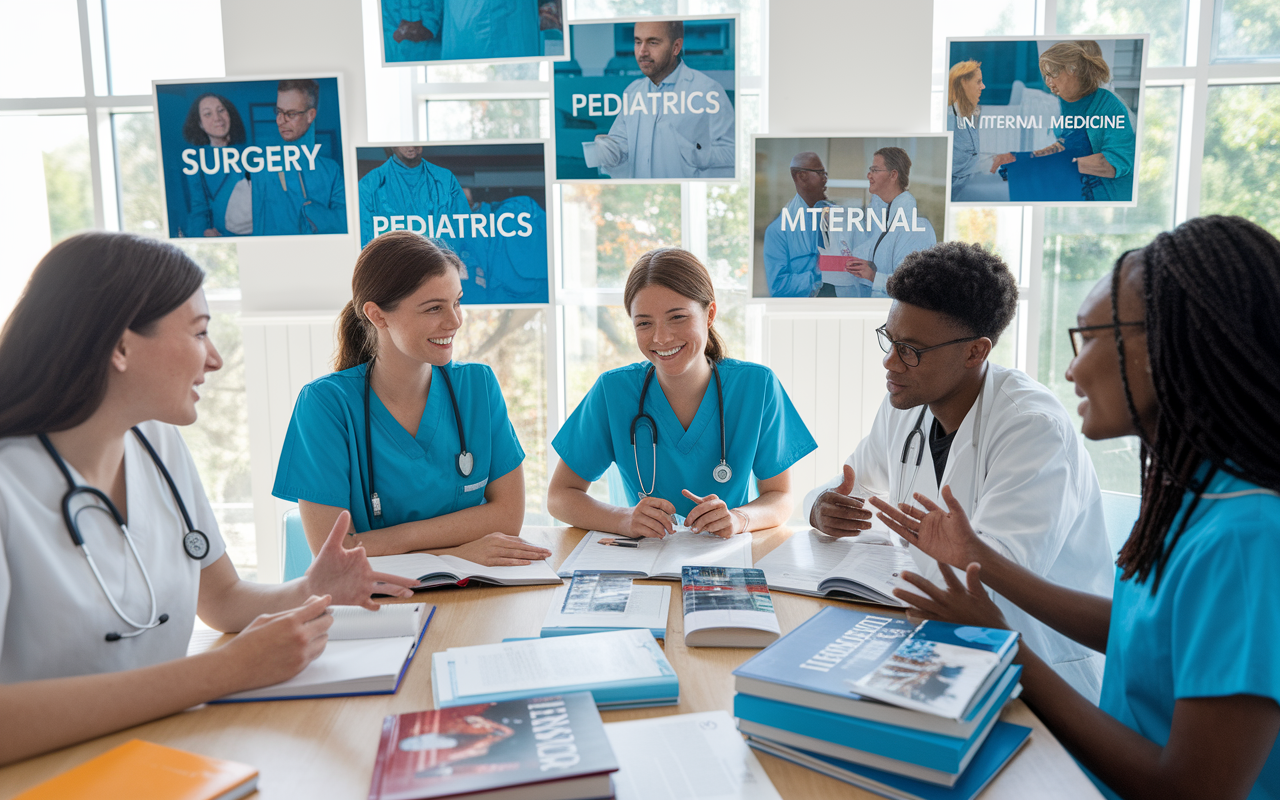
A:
(792, 240)
(309, 197)
(999, 442)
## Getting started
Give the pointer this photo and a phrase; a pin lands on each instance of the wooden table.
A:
(320, 749)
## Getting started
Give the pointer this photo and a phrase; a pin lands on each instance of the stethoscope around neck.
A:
(916, 439)
(464, 461)
(721, 473)
(194, 542)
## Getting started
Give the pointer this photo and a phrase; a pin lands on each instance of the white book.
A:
(602, 601)
(815, 564)
(686, 757)
(431, 570)
(727, 607)
(367, 653)
(658, 558)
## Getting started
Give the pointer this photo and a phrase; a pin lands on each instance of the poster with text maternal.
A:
(1049, 120)
(252, 157)
(432, 32)
(834, 216)
(649, 99)
(485, 201)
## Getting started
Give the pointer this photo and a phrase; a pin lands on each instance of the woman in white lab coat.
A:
(108, 544)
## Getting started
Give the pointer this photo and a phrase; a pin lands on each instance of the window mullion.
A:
(1195, 112)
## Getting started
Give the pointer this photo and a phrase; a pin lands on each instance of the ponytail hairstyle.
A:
(55, 348)
(389, 269)
(681, 272)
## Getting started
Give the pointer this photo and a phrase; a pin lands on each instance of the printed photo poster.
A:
(835, 216)
(1048, 120)
(648, 99)
(485, 201)
(252, 157)
(432, 32)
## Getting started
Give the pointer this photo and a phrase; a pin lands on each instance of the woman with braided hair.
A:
(1192, 367)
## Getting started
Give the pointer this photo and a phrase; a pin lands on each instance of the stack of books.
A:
(902, 710)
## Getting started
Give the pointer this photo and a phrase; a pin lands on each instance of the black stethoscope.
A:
(917, 430)
(194, 543)
(464, 462)
(721, 472)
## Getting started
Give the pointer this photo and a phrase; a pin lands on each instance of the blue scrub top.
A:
(1210, 629)
(764, 434)
(1119, 145)
(324, 459)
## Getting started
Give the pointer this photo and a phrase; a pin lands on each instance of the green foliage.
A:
(1165, 20)
(1249, 29)
(69, 188)
(485, 119)
(1241, 168)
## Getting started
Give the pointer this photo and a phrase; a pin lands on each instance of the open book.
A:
(431, 571)
(368, 653)
(816, 564)
(593, 602)
(657, 558)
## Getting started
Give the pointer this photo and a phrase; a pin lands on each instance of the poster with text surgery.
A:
(252, 157)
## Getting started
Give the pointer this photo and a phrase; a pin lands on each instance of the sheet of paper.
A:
(878, 567)
(592, 556)
(701, 550)
(537, 664)
(590, 154)
(395, 619)
(598, 602)
(686, 757)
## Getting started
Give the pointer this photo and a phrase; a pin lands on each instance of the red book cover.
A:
(479, 749)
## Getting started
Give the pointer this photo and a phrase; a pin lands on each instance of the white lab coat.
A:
(1025, 480)
(672, 145)
(53, 615)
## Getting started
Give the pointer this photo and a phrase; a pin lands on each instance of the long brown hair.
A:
(956, 95)
(681, 272)
(55, 348)
(389, 269)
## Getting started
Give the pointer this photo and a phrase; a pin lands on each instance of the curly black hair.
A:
(971, 285)
(193, 133)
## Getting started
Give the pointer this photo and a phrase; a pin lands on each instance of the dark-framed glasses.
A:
(1077, 334)
(910, 354)
(290, 115)
(821, 172)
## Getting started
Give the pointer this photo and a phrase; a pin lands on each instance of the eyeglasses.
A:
(878, 169)
(1077, 334)
(289, 115)
(909, 354)
(821, 172)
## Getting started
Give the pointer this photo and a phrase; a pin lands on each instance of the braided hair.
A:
(1211, 290)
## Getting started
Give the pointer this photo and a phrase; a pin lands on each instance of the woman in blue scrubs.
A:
(212, 121)
(719, 423)
(1191, 692)
(416, 446)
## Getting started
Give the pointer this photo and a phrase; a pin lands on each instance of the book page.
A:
(591, 556)
(340, 664)
(538, 664)
(533, 572)
(878, 568)
(392, 619)
(410, 565)
(802, 561)
(701, 550)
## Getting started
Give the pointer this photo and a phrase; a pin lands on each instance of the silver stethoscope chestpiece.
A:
(466, 463)
(722, 473)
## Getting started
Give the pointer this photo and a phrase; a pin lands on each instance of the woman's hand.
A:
(1096, 164)
(651, 517)
(211, 232)
(861, 268)
(945, 536)
(711, 515)
(345, 573)
(1056, 147)
(959, 604)
(1002, 159)
(499, 550)
(275, 647)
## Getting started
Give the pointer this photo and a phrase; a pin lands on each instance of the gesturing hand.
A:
(836, 513)
(945, 536)
(346, 575)
(958, 603)
(650, 517)
(710, 515)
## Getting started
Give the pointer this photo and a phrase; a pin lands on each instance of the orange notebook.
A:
(138, 770)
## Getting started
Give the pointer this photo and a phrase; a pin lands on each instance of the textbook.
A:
(657, 558)
(594, 602)
(622, 669)
(815, 564)
(924, 756)
(686, 757)
(727, 607)
(432, 571)
(941, 668)
(540, 748)
(1001, 746)
(368, 653)
(142, 769)
(816, 664)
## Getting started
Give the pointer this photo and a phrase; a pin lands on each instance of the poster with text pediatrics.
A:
(648, 99)
(259, 157)
(1048, 120)
(485, 201)
(834, 216)
(433, 32)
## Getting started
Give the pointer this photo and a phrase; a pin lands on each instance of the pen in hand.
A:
(620, 542)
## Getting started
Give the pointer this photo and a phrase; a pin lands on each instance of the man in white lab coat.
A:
(999, 439)
(675, 122)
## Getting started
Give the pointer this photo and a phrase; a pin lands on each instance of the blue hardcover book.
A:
(851, 738)
(1001, 746)
(941, 668)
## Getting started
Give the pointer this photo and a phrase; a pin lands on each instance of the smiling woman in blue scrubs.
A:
(709, 425)
(416, 446)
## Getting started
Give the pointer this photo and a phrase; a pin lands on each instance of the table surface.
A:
(326, 748)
